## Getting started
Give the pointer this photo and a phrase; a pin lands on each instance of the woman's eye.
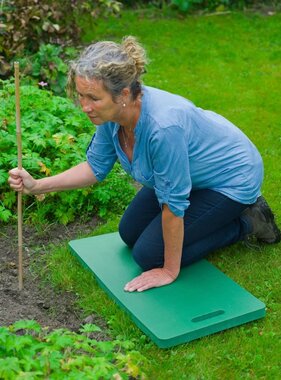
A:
(81, 96)
(92, 98)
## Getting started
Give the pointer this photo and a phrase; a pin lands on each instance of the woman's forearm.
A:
(77, 177)
(173, 231)
(173, 240)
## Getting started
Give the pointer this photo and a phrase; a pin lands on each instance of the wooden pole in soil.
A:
(17, 93)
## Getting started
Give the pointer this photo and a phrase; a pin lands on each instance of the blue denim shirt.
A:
(179, 147)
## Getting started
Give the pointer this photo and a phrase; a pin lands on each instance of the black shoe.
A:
(261, 218)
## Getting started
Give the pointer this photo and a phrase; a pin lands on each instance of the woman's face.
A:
(96, 102)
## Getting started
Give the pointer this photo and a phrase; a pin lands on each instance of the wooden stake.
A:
(17, 93)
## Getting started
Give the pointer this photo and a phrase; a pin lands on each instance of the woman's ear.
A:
(125, 94)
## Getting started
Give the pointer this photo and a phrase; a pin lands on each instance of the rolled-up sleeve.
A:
(101, 154)
(171, 168)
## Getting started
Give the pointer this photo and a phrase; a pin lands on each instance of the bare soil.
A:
(46, 306)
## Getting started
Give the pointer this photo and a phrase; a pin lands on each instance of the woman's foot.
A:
(262, 220)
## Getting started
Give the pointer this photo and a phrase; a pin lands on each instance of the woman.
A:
(201, 175)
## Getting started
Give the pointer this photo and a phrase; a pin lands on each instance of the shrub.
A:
(26, 24)
(188, 5)
(55, 137)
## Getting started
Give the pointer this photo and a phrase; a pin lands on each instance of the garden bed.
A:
(43, 304)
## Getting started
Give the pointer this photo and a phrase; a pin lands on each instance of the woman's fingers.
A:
(16, 173)
(17, 186)
(15, 180)
(21, 180)
(151, 279)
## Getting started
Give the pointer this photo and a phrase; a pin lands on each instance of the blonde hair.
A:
(117, 65)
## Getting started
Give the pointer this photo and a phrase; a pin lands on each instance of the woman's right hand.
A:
(21, 180)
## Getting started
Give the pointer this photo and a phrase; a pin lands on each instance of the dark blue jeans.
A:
(212, 221)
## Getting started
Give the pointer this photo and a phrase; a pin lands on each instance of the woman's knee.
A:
(146, 257)
(139, 253)
(125, 232)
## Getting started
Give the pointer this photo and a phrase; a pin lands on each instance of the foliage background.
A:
(56, 134)
(27, 24)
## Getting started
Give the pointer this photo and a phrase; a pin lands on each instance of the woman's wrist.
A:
(173, 273)
(36, 189)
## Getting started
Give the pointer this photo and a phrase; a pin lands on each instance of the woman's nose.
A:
(86, 105)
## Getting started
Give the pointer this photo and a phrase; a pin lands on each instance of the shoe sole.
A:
(269, 216)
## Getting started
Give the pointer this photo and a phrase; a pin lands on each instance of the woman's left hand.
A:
(153, 278)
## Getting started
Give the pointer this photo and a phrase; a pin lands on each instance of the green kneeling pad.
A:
(200, 302)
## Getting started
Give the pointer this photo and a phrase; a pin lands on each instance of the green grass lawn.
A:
(230, 64)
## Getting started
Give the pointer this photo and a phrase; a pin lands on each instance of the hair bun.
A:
(135, 51)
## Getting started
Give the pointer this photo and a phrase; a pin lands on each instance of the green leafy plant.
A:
(48, 67)
(55, 137)
(28, 351)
